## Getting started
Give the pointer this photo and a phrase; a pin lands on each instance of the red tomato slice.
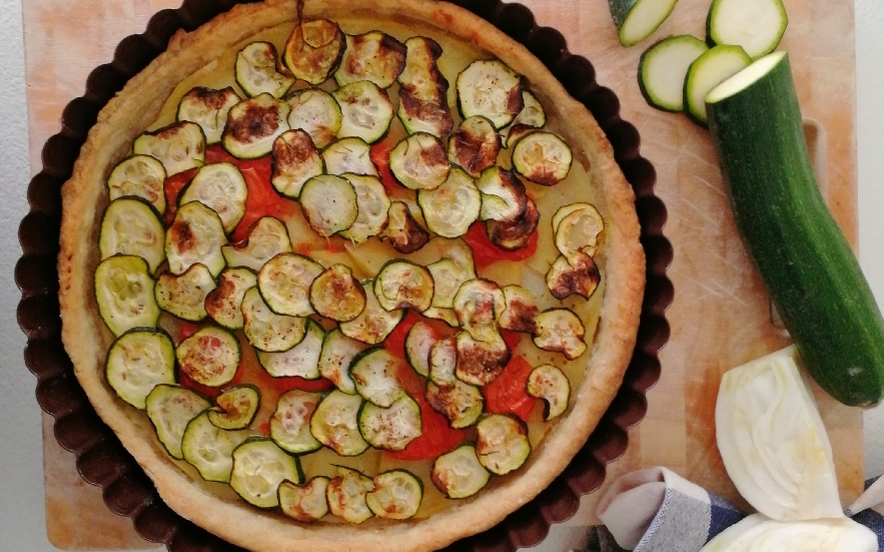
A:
(395, 342)
(507, 392)
(173, 186)
(380, 156)
(486, 253)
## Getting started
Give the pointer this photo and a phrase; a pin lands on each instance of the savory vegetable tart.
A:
(339, 277)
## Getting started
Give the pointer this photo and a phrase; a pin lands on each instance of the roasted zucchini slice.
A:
(253, 124)
(338, 352)
(374, 56)
(335, 423)
(179, 147)
(336, 294)
(448, 275)
(491, 89)
(302, 360)
(139, 176)
(366, 111)
(423, 90)
(460, 402)
(531, 116)
(284, 282)
(259, 466)
(451, 208)
(305, 502)
(403, 231)
(208, 108)
(210, 356)
(346, 495)
(235, 408)
(374, 323)
(418, 342)
(313, 50)
(503, 195)
(266, 330)
(542, 157)
(474, 145)
(222, 188)
(478, 304)
(577, 229)
(295, 161)
(458, 474)
(124, 293)
(402, 284)
(397, 494)
(518, 316)
(560, 330)
(139, 360)
(290, 423)
(376, 375)
(256, 71)
(418, 162)
(267, 238)
(349, 156)
(514, 234)
(580, 276)
(480, 362)
(443, 362)
(329, 204)
(372, 205)
(316, 112)
(224, 303)
(195, 236)
(502, 443)
(131, 226)
(184, 295)
(170, 408)
(549, 383)
(393, 427)
(209, 448)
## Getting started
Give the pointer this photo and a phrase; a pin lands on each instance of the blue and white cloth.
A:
(656, 510)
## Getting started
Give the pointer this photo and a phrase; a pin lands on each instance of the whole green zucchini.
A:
(806, 263)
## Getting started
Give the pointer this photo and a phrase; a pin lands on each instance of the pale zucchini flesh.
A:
(124, 293)
(131, 226)
(663, 69)
(140, 176)
(259, 466)
(636, 20)
(756, 25)
(139, 360)
(707, 71)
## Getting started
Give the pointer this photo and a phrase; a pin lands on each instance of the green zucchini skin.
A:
(806, 263)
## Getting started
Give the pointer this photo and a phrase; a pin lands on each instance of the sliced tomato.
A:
(486, 253)
(507, 393)
(287, 384)
(173, 186)
(380, 156)
(437, 437)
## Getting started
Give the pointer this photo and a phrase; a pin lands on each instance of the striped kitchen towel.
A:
(655, 510)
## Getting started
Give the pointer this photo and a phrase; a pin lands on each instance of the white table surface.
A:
(22, 515)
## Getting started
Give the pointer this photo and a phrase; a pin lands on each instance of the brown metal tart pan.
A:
(101, 459)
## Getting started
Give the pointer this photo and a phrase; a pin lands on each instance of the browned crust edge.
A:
(86, 339)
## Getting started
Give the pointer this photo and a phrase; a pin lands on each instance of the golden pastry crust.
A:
(221, 512)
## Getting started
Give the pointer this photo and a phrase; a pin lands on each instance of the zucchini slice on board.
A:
(374, 56)
(315, 111)
(139, 176)
(222, 188)
(259, 466)
(663, 69)
(209, 448)
(636, 20)
(131, 226)
(179, 146)
(124, 293)
(139, 360)
(208, 108)
(397, 494)
(253, 125)
(256, 71)
(209, 357)
(305, 502)
(708, 70)
(756, 25)
(822, 297)
(170, 408)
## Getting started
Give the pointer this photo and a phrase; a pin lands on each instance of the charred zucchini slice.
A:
(474, 145)
(503, 195)
(305, 502)
(372, 204)
(480, 362)
(131, 226)
(579, 276)
(460, 402)
(335, 423)
(560, 330)
(418, 342)
(284, 282)
(374, 323)
(139, 176)
(139, 360)
(316, 112)
(295, 161)
(549, 383)
(209, 448)
(195, 236)
(514, 234)
(235, 408)
(290, 424)
(366, 111)
(222, 188)
(443, 362)
(329, 204)
(124, 293)
(338, 352)
(313, 50)
(449, 275)
(224, 303)
(530, 117)
(393, 427)
(402, 284)
(478, 304)
(266, 330)
(179, 146)
(349, 156)
(373, 56)
(458, 474)
(210, 356)
(184, 295)
(253, 124)
(336, 294)
(451, 208)
(542, 157)
(302, 360)
(502, 443)
(267, 238)
(208, 108)
(170, 408)
(491, 89)
(376, 375)
(520, 310)
(423, 90)
(403, 231)
(259, 466)
(419, 163)
(256, 71)
(577, 229)
(397, 494)
(346, 495)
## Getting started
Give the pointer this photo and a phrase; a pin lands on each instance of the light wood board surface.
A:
(720, 317)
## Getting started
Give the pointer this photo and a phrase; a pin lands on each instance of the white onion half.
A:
(773, 443)
(758, 533)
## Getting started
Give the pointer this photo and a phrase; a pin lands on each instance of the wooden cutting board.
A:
(720, 316)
